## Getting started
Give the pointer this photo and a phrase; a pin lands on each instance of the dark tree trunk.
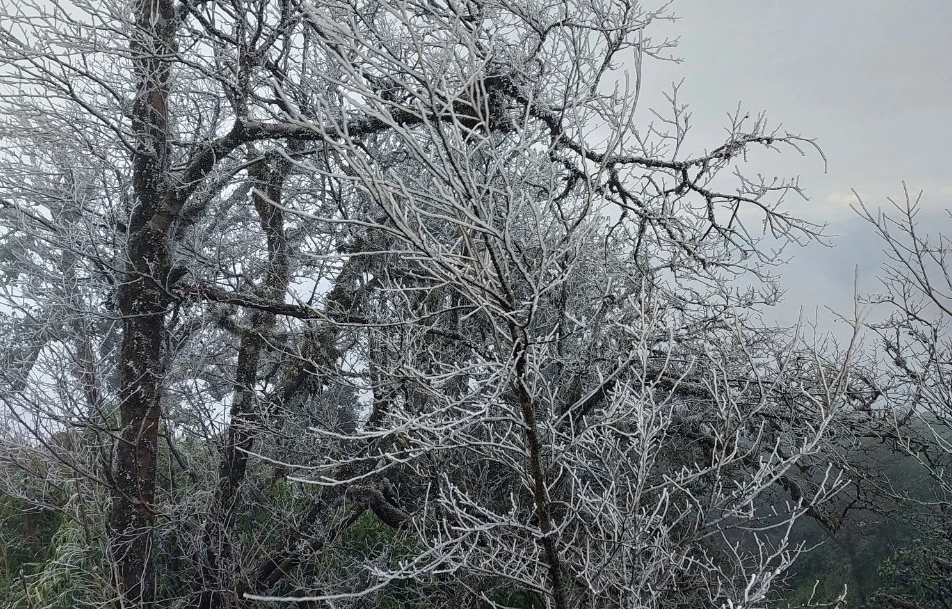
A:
(244, 414)
(142, 302)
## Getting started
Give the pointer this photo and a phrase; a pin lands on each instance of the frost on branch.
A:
(397, 303)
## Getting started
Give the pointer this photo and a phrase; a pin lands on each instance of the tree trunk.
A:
(244, 415)
(142, 301)
(537, 472)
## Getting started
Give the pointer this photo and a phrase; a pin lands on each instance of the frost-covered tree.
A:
(913, 379)
(405, 303)
(916, 370)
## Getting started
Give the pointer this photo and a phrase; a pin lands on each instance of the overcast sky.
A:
(871, 80)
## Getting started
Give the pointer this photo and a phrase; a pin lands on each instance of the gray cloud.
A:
(870, 79)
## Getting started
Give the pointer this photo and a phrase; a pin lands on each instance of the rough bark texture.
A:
(537, 471)
(268, 183)
(142, 301)
(244, 414)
